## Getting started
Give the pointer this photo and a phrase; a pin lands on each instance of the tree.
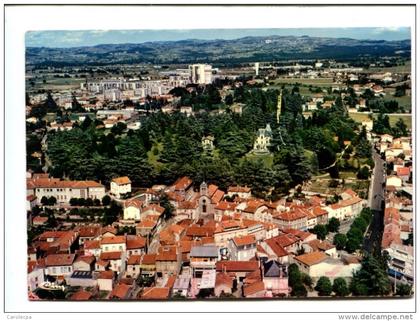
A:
(340, 241)
(340, 287)
(307, 280)
(404, 289)
(372, 278)
(44, 200)
(74, 201)
(363, 172)
(352, 245)
(106, 200)
(321, 231)
(323, 286)
(333, 225)
(52, 200)
(299, 290)
(294, 274)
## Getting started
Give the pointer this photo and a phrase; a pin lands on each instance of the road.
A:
(373, 240)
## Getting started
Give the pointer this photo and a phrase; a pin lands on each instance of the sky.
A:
(76, 38)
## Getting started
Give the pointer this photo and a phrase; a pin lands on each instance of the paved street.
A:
(376, 197)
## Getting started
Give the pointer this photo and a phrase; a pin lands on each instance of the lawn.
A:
(266, 158)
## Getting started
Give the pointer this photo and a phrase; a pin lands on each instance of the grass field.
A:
(406, 68)
(404, 101)
(318, 82)
(266, 158)
(52, 83)
(359, 117)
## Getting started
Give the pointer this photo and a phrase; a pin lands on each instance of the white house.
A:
(132, 209)
(59, 264)
(393, 181)
(120, 186)
(242, 248)
(113, 244)
(35, 276)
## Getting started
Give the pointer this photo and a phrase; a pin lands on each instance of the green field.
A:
(359, 117)
(406, 68)
(404, 101)
(266, 158)
(52, 83)
(317, 82)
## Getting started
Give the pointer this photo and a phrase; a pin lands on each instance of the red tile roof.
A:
(154, 293)
(135, 202)
(244, 240)
(225, 279)
(109, 275)
(182, 183)
(239, 189)
(59, 259)
(135, 242)
(254, 288)
(121, 180)
(81, 295)
(134, 260)
(149, 259)
(114, 240)
(120, 291)
(403, 171)
(311, 258)
(237, 266)
(278, 250)
(90, 245)
(111, 255)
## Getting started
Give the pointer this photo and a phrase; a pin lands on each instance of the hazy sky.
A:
(95, 37)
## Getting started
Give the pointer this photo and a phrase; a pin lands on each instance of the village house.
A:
(120, 186)
(63, 191)
(35, 276)
(168, 261)
(84, 263)
(148, 265)
(88, 233)
(404, 173)
(59, 264)
(320, 246)
(113, 244)
(237, 268)
(117, 260)
(393, 180)
(227, 230)
(106, 280)
(293, 219)
(223, 285)
(254, 290)
(132, 209)
(317, 264)
(203, 258)
(243, 192)
(133, 266)
(82, 279)
(135, 245)
(242, 248)
(92, 248)
(275, 278)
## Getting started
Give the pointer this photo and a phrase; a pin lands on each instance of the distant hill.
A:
(242, 50)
